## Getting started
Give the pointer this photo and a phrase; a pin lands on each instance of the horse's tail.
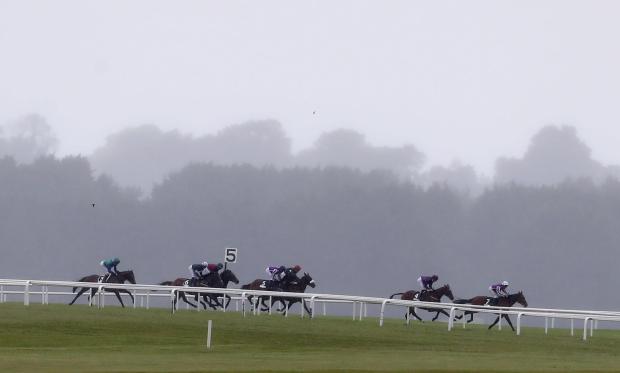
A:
(395, 294)
(166, 283)
(462, 301)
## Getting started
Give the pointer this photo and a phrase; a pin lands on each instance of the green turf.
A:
(58, 338)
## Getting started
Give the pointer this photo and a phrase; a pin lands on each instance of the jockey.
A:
(110, 266)
(426, 282)
(198, 271)
(290, 274)
(214, 268)
(499, 290)
(276, 274)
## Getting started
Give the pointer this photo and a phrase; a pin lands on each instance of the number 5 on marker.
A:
(230, 255)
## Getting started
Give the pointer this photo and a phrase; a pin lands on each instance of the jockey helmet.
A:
(205, 264)
(220, 266)
(296, 268)
(116, 260)
(281, 268)
(101, 263)
(435, 277)
(505, 283)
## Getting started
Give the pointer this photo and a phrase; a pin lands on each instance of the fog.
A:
(369, 142)
(361, 219)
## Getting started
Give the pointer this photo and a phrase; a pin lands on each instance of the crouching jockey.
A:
(198, 271)
(426, 283)
(499, 290)
(110, 266)
(276, 273)
(290, 275)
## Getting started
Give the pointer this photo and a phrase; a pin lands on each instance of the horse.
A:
(107, 279)
(211, 281)
(296, 286)
(506, 301)
(226, 276)
(427, 296)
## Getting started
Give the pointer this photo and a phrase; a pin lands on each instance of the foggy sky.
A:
(461, 80)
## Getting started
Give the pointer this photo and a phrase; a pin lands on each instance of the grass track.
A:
(58, 338)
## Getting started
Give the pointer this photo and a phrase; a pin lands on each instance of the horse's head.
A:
(228, 276)
(520, 298)
(128, 276)
(445, 290)
(307, 279)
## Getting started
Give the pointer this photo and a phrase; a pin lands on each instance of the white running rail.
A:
(31, 288)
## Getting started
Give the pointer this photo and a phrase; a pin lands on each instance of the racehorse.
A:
(427, 296)
(107, 279)
(296, 286)
(212, 280)
(506, 301)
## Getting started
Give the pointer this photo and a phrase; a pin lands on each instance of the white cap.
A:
(205, 263)
(101, 263)
(505, 283)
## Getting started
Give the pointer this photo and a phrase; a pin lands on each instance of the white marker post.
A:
(209, 325)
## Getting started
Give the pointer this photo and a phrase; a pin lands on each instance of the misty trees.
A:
(348, 148)
(27, 138)
(142, 156)
(554, 154)
(360, 232)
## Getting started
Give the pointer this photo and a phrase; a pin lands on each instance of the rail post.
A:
(27, 293)
(134, 298)
(101, 297)
(361, 310)
(302, 308)
(451, 318)
(312, 306)
(270, 303)
(572, 327)
(1, 293)
(172, 301)
(148, 295)
(382, 312)
(585, 328)
(592, 327)
(243, 303)
(519, 315)
(324, 309)
(546, 324)
(499, 325)
(354, 309)
(463, 319)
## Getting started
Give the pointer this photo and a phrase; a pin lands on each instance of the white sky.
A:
(468, 80)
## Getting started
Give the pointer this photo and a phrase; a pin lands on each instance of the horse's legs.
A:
(309, 310)
(412, 312)
(133, 301)
(182, 294)
(442, 312)
(250, 301)
(509, 322)
(471, 316)
(82, 291)
(494, 322)
(118, 296)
